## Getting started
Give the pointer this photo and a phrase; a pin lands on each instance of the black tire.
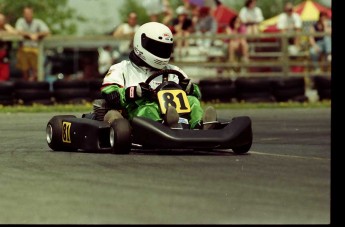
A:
(286, 94)
(290, 82)
(6, 100)
(324, 94)
(66, 95)
(28, 95)
(96, 84)
(215, 81)
(220, 92)
(242, 149)
(34, 85)
(120, 136)
(256, 84)
(93, 94)
(54, 134)
(322, 82)
(6, 87)
(67, 84)
(255, 95)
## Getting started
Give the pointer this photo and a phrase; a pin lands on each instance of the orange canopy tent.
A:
(308, 10)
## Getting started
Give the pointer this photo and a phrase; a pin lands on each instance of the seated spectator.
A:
(321, 45)
(237, 46)
(251, 16)
(182, 27)
(5, 47)
(125, 31)
(205, 25)
(290, 21)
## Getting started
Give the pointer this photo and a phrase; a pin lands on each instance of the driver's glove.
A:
(135, 92)
(186, 85)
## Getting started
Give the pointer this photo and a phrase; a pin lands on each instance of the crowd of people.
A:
(32, 30)
(183, 21)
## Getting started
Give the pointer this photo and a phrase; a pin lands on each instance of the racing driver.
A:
(125, 92)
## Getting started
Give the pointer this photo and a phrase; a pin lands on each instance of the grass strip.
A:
(87, 107)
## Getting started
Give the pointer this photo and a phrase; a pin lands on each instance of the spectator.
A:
(321, 45)
(105, 59)
(32, 30)
(205, 25)
(182, 27)
(5, 47)
(251, 16)
(290, 21)
(157, 8)
(125, 31)
(237, 45)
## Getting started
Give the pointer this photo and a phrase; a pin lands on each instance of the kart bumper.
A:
(151, 134)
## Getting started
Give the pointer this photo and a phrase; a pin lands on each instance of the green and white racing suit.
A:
(127, 74)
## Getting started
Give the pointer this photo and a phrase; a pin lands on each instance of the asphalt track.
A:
(284, 179)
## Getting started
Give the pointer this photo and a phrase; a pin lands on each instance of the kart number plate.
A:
(175, 98)
(66, 132)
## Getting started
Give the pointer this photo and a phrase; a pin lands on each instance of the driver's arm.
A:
(195, 91)
(189, 87)
(115, 92)
(114, 95)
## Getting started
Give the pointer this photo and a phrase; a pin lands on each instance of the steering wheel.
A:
(165, 83)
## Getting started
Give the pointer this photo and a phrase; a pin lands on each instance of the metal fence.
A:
(280, 59)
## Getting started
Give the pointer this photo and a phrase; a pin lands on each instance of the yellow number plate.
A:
(66, 132)
(175, 98)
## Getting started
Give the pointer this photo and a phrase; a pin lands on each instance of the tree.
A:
(133, 6)
(59, 17)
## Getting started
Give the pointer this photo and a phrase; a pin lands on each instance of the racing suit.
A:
(126, 74)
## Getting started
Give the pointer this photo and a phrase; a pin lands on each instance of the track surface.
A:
(284, 179)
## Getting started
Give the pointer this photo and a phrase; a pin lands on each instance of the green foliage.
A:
(133, 6)
(59, 17)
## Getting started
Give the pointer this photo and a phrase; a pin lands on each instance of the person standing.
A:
(5, 47)
(125, 32)
(33, 30)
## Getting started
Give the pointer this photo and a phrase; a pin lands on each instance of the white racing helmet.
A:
(153, 43)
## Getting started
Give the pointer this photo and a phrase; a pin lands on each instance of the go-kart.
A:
(90, 133)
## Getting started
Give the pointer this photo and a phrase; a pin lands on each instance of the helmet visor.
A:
(159, 49)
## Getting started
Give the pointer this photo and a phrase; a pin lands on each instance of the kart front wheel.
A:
(242, 149)
(120, 136)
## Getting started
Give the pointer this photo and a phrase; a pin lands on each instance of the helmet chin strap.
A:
(138, 61)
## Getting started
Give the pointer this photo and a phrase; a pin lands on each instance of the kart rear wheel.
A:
(54, 133)
(120, 136)
(242, 149)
